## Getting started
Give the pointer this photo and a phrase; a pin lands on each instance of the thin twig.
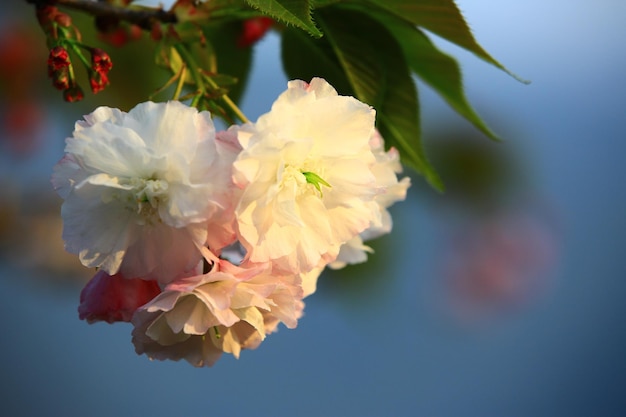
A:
(143, 18)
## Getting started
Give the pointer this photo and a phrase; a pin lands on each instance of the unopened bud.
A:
(72, 94)
(119, 34)
(58, 58)
(100, 61)
(60, 78)
(63, 20)
(98, 81)
(134, 32)
(46, 15)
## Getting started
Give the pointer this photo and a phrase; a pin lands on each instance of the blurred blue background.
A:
(504, 296)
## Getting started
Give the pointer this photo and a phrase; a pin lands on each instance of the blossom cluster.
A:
(206, 241)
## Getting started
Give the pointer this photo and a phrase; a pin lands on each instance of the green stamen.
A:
(315, 180)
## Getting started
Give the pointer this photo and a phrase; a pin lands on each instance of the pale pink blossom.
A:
(228, 309)
(306, 178)
(114, 298)
(145, 189)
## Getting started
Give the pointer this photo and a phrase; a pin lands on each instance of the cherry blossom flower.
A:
(386, 169)
(145, 190)
(208, 241)
(228, 309)
(306, 178)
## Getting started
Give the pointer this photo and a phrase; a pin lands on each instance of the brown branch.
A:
(143, 18)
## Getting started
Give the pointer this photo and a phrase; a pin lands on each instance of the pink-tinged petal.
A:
(309, 280)
(189, 316)
(114, 298)
(231, 307)
(160, 331)
(197, 350)
(163, 253)
(217, 293)
(163, 302)
(253, 317)
(287, 308)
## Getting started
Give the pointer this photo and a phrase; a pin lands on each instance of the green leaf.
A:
(225, 9)
(443, 74)
(318, 61)
(376, 69)
(295, 12)
(436, 68)
(324, 3)
(443, 18)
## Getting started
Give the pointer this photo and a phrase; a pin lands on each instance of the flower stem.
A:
(76, 48)
(190, 62)
(196, 100)
(181, 82)
(197, 76)
(231, 104)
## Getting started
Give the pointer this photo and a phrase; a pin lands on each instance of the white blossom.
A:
(306, 177)
(145, 189)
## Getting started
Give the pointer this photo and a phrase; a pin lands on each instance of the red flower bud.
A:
(120, 35)
(113, 298)
(134, 32)
(116, 37)
(58, 59)
(72, 94)
(46, 15)
(63, 20)
(60, 78)
(100, 61)
(98, 81)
